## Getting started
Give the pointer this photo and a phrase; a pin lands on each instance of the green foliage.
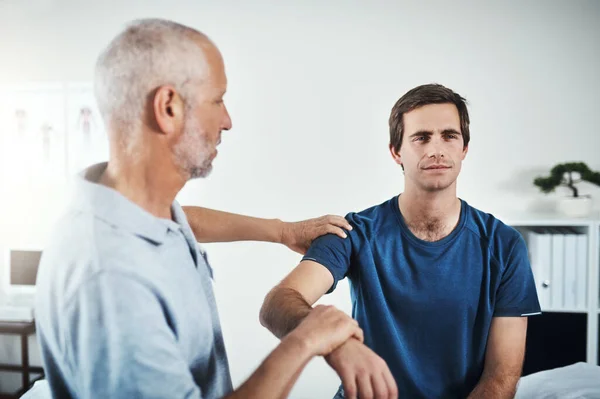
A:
(562, 175)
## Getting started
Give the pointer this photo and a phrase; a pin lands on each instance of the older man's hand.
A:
(298, 236)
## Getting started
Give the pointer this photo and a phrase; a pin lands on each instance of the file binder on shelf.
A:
(540, 256)
(557, 292)
(581, 272)
(570, 282)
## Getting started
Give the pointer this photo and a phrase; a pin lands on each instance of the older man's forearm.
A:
(277, 374)
(282, 310)
(210, 225)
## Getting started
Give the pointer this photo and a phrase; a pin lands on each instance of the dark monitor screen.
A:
(24, 266)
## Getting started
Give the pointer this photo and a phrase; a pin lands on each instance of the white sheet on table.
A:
(579, 380)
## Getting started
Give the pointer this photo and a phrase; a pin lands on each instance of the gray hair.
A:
(149, 53)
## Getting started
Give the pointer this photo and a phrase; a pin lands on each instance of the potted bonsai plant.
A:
(569, 175)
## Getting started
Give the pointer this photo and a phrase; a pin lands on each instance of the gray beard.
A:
(188, 151)
(198, 172)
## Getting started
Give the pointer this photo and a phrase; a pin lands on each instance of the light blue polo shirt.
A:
(125, 306)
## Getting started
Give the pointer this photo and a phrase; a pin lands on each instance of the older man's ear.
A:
(168, 111)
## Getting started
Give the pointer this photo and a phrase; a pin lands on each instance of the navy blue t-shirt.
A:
(426, 307)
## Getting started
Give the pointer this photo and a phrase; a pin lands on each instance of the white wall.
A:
(311, 87)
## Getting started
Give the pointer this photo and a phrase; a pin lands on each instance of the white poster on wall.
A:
(32, 119)
(87, 139)
(32, 159)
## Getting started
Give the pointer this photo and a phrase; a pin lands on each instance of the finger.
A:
(349, 384)
(358, 334)
(391, 384)
(365, 391)
(301, 250)
(339, 221)
(380, 388)
(341, 329)
(320, 309)
(335, 230)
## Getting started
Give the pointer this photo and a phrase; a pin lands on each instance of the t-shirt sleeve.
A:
(333, 253)
(516, 294)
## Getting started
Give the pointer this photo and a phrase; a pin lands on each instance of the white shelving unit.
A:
(591, 227)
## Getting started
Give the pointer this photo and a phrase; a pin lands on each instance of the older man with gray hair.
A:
(125, 305)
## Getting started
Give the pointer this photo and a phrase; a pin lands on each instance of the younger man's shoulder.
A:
(373, 217)
(490, 228)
